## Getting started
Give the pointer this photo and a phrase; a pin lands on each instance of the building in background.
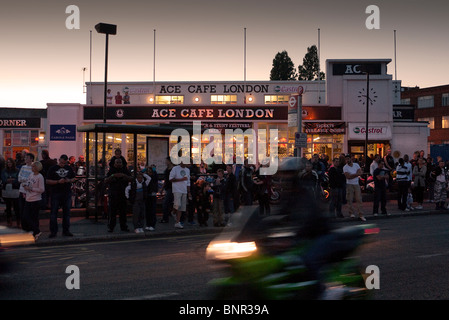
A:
(431, 105)
(333, 112)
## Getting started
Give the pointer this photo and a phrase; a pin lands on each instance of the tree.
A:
(283, 67)
(309, 68)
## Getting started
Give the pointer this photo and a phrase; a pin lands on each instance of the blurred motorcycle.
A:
(271, 264)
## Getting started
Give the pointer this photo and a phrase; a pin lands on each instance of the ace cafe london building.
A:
(333, 112)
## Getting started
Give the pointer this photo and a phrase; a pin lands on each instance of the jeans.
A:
(63, 200)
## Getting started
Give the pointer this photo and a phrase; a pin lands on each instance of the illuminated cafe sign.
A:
(324, 127)
(342, 69)
(187, 113)
(20, 123)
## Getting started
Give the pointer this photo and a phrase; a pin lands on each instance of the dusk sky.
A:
(203, 40)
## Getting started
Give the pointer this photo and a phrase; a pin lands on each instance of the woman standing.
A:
(419, 171)
(34, 187)
(11, 185)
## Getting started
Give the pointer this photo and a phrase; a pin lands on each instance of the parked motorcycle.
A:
(270, 264)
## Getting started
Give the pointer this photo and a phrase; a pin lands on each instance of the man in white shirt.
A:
(180, 179)
(409, 168)
(352, 171)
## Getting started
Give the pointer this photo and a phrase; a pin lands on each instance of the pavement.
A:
(89, 229)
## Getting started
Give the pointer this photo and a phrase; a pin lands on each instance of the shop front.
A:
(214, 119)
(379, 138)
(22, 129)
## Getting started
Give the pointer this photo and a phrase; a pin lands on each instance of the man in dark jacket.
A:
(117, 178)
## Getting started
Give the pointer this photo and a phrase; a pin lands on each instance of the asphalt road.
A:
(412, 254)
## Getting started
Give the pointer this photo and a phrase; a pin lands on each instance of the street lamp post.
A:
(366, 125)
(107, 29)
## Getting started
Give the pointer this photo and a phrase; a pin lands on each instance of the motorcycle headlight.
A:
(226, 250)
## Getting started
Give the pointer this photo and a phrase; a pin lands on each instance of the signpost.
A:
(295, 107)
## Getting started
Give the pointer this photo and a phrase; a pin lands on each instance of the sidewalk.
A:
(88, 230)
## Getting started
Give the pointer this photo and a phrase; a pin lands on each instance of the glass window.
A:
(445, 100)
(169, 99)
(405, 101)
(223, 99)
(430, 120)
(445, 122)
(276, 99)
(425, 102)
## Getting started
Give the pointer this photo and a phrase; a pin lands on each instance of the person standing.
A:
(151, 201)
(167, 205)
(47, 163)
(34, 187)
(109, 97)
(24, 172)
(389, 165)
(117, 178)
(402, 174)
(352, 172)
(381, 177)
(10, 179)
(337, 181)
(60, 177)
(180, 179)
(118, 98)
(247, 183)
(219, 187)
(440, 186)
(137, 193)
(420, 173)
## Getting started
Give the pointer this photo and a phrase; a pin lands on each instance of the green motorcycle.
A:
(273, 264)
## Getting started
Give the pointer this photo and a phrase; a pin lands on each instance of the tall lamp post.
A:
(107, 29)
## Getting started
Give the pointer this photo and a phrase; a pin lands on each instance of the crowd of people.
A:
(215, 191)
(29, 185)
(413, 179)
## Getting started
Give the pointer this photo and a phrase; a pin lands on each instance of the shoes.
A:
(352, 216)
(52, 235)
(407, 209)
(36, 236)
(375, 214)
(67, 234)
(179, 225)
(138, 230)
(362, 218)
(149, 229)
(418, 207)
(163, 221)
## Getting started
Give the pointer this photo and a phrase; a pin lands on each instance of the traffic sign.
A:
(292, 102)
(300, 140)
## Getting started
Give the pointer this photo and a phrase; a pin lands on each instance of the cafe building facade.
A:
(333, 112)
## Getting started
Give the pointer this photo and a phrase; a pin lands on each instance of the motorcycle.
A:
(270, 265)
